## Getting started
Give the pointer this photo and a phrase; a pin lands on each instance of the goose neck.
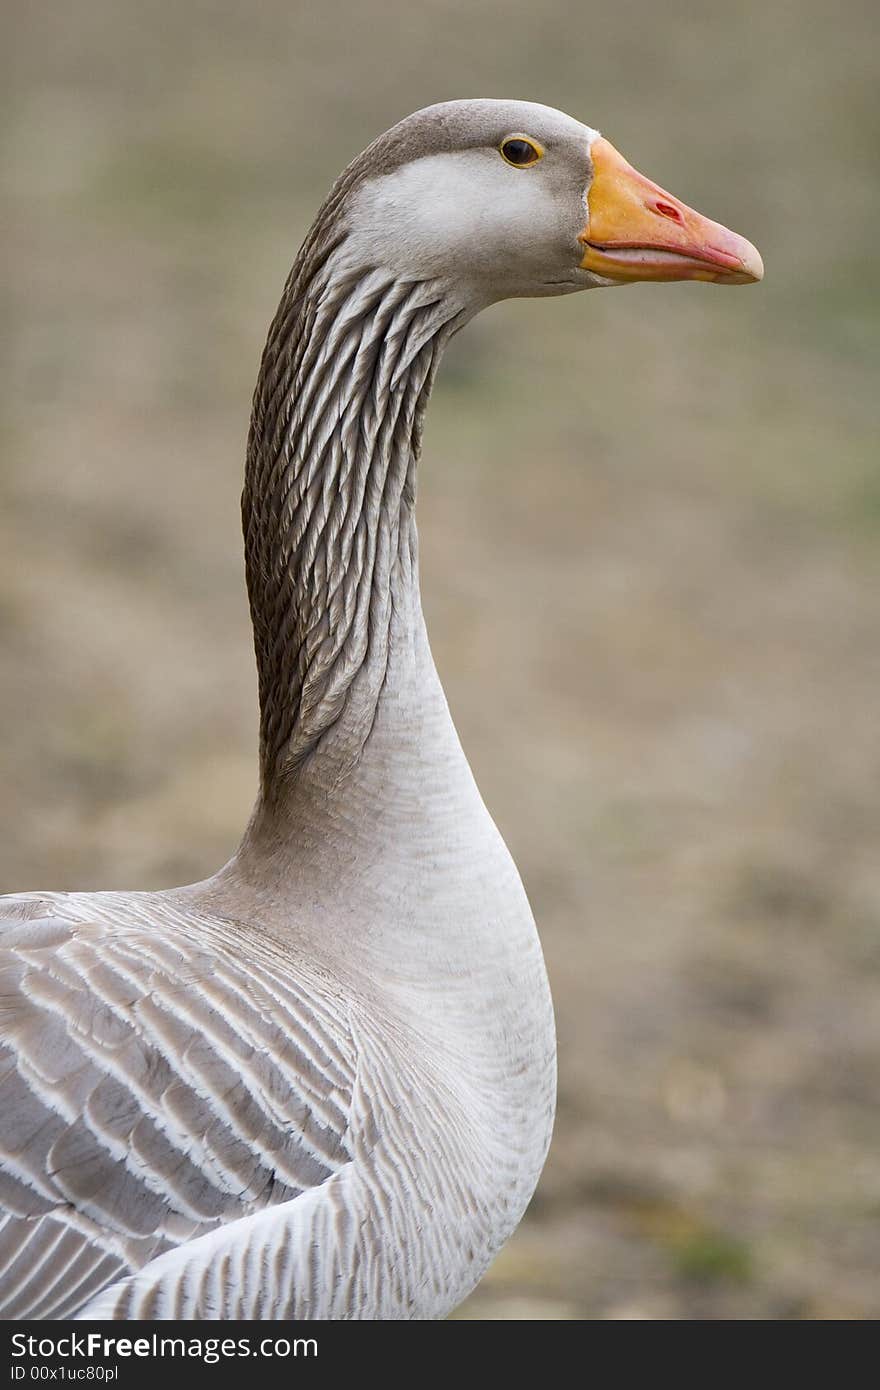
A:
(328, 512)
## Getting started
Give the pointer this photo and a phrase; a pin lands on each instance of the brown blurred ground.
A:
(650, 527)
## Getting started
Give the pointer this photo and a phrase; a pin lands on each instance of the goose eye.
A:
(520, 151)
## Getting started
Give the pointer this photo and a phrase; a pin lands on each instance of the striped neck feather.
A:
(330, 544)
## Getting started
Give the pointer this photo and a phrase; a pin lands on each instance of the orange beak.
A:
(636, 231)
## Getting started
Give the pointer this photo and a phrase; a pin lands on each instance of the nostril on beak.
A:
(667, 210)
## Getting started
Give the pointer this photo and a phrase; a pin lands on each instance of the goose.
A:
(321, 1083)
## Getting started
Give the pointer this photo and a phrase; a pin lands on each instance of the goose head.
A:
(505, 199)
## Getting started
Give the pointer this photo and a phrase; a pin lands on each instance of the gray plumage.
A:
(321, 1083)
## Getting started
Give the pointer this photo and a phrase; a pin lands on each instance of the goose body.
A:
(321, 1083)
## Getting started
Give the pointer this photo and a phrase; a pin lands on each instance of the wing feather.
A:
(162, 1075)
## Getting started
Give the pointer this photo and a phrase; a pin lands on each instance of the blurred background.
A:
(650, 526)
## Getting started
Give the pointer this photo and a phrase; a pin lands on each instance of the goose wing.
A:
(162, 1076)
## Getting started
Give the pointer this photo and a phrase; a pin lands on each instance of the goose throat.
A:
(327, 508)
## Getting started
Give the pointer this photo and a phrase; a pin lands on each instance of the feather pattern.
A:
(154, 1086)
(186, 1136)
(336, 427)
